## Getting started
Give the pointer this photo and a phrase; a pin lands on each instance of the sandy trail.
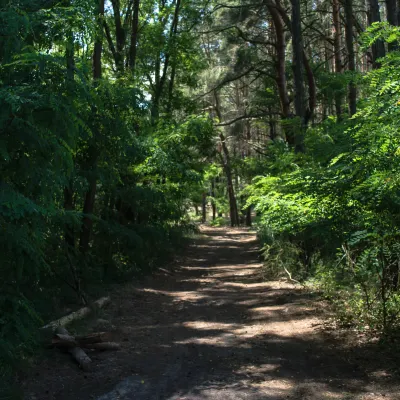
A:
(215, 330)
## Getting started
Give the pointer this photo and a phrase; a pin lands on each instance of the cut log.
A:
(81, 358)
(93, 338)
(76, 352)
(83, 312)
(67, 341)
(103, 346)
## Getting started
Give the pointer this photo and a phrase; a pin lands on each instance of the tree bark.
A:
(103, 346)
(352, 90)
(312, 90)
(204, 208)
(77, 353)
(226, 163)
(81, 358)
(98, 45)
(392, 16)
(378, 48)
(68, 190)
(338, 53)
(162, 77)
(134, 36)
(298, 77)
(98, 337)
(64, 321)
(120, 36)
(248, 137)
(214, 208)
(88, 207)
(248, 216)
(280, 61)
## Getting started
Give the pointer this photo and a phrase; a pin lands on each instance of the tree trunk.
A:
(120, 36)
(312, 90)
(162, 77)
(248, 216)
(272, 125)
(171, 88)
(298, 77)
(392, 17)
(214, 208)
(134, 36)
(204, 208)
(225, 158)
(90, 196)
(280, 61)
(378, 48)
(248, 137)
(98, 45)
(352, 93)
(226, 163)
(338, 53)
(68, 190)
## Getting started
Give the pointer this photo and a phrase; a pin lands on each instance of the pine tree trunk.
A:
(378, 48)
(299, 98)
(88, 207)
(98, 45)
(226, 163)
(392, 16)
(352, 90)
(338, 53)
(280, 62)
(248, 216)
(214, 208)
(134, 35)
(204, 208)
(68, 190)
(233, 210)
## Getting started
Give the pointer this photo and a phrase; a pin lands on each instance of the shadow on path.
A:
(216, 330)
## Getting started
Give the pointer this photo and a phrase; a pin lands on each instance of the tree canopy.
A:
(119, 118)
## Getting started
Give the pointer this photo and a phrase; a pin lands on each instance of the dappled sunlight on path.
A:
(216, 330)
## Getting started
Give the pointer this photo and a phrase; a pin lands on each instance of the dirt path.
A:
(215, 330)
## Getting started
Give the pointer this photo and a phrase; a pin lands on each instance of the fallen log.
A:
(83, 312)
(76, 352)
(68, 341)
(98, 337)
(103, 346)
(61, 340)
(81, 358)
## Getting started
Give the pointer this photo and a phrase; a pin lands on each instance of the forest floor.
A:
(213, 329)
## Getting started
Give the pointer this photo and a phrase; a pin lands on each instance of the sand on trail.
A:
(214, 329)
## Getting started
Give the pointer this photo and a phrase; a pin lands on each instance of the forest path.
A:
(215, 330)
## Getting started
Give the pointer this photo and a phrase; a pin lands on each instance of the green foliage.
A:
(65, 137)
(342, 194)
(219, 221)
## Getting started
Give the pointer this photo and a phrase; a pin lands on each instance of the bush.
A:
(332, 214)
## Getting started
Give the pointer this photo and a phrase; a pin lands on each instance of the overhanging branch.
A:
(242, 117)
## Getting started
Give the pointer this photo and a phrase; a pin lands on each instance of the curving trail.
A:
(215, 330)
